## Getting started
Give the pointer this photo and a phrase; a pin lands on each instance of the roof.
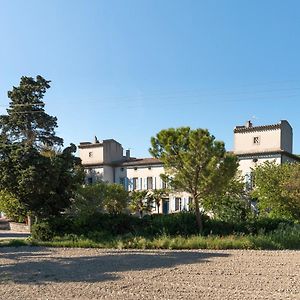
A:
(141, 161)
(241, 129)
(280, 152)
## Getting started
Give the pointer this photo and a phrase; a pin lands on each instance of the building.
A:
(104, 160)
(255, 145)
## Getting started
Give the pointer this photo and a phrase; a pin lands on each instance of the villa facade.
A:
(104, 160)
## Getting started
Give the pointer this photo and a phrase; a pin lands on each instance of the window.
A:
(256, 140)
(90, 154)
(149, 183)
(134, 183)
(177, 203)
(163, 184)
(90, 180)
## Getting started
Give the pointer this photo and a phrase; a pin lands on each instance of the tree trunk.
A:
(158, 207)
(198, 216)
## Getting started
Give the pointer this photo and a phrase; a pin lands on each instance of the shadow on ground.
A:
(7, 235)
(32, 265)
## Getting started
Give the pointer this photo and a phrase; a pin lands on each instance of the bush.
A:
(42, 231)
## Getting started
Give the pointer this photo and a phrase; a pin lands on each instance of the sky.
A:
(125, 69)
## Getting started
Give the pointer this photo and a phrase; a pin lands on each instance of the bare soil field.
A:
(60, 273)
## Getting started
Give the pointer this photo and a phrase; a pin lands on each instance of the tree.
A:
(98, 198)
(194, 162)
(116, 199)
(12, 207)
(157, 196)
(277, 189)
(44, 184)
(232, 204)
(88, 200)
(140, 202)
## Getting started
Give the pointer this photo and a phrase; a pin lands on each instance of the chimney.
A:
(248, 124)
(127, 154)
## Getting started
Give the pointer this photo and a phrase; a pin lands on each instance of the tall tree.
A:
(43, 183)
(194, 162)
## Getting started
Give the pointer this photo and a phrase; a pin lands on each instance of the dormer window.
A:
(256, 140)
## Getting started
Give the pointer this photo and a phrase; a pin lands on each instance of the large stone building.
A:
(104, 160)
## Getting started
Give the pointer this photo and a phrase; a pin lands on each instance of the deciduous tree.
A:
(277, 189)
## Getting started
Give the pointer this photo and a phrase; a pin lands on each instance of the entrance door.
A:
(165, 206)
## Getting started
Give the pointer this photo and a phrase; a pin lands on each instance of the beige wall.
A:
(96, 154)
(269, 141)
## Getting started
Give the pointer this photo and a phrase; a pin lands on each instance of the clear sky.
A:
(129, 68)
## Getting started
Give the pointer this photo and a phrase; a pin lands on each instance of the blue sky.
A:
(129, 68)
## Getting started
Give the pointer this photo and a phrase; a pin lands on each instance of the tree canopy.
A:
(194, 162)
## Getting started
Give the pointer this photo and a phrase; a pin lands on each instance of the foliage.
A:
(88, 200)
(277, 189)
(285, 237)
(194, 162)
(116, 199)
(98, 198)
(12, 207)
(140, 202)
(43, 184)
(231, 204)
(42, 231)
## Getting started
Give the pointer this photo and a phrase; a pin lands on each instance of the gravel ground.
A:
(60, 273)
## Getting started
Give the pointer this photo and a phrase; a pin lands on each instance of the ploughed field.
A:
(68, 273)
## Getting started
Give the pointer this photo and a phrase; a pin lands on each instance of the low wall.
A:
(19, 227)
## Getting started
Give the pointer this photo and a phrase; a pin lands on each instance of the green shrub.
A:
(42, 231)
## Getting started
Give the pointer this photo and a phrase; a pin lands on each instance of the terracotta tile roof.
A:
(141, 161)
(241, 129)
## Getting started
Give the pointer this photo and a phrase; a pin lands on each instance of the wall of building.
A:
(286, 137)
(113, 151)
(91, 154)
(141, 173)
(246, 164)
(269, 140)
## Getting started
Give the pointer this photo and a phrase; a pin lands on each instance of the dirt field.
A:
(48, 273)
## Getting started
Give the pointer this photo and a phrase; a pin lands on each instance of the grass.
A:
(287, 237)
